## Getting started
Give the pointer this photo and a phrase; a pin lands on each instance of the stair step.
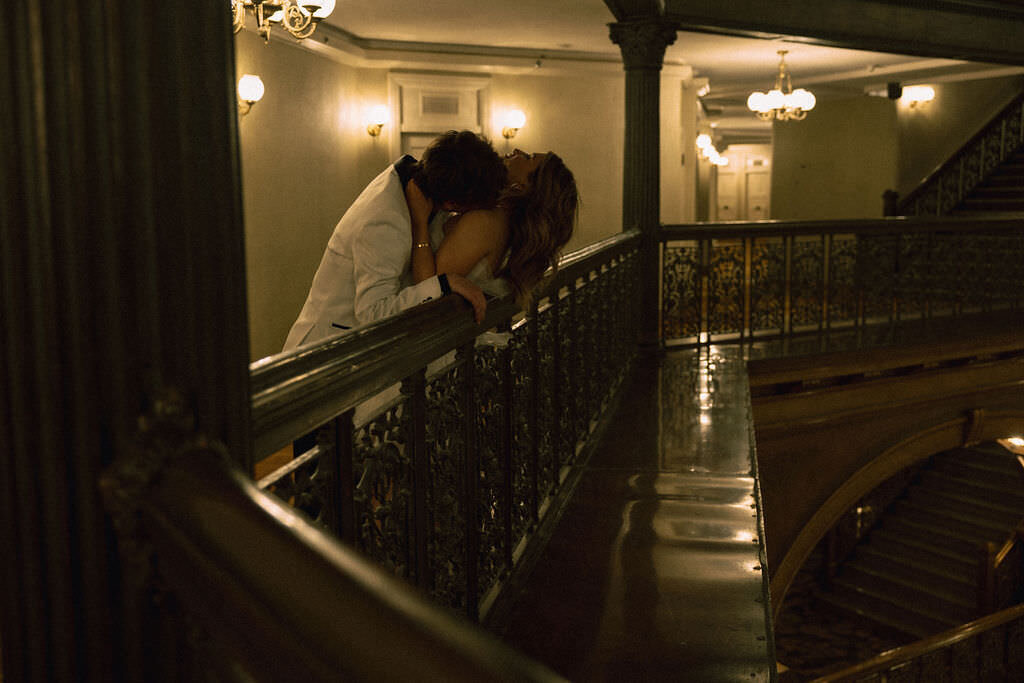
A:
(998, 204)
(892, 613)
(959, 607)
(994, 511)
(943, 573)
(950, 523)
(947, 483)
(998, 192)
(981, 467)
(923, 532)
(954, 559)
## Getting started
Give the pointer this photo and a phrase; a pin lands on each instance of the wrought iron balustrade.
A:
(773, 278)
(442, 444)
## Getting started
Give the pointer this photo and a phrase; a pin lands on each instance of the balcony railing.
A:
(442, 447)
(773, 278)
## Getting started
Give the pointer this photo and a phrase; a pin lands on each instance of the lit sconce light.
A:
(377, 117)
(708, 151)
(514, 120)
(298, 17)
(914, 95)
(1014, 444)
(250, 91)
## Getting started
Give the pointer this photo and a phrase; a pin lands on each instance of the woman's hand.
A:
(420, 209)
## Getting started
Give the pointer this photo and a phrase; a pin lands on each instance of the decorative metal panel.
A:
(382, 496)
(681, 290)
(767, 285)
(807, 279)
(306, 488)
(546, 418)
(446, 495)
(524, 503)
(843, 295)
(492, 503)
(725, 286)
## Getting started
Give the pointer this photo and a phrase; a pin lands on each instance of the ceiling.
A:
(733, 66)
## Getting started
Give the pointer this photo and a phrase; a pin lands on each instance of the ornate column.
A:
(643, 44)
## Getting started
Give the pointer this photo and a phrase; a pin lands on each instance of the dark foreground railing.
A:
(734, 281)
(988, 649)
(270, 597)
(441, 450)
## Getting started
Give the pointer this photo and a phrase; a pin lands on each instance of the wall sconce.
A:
(250, 91)
(298, 17)
(914, 95)
(377, 117)
(514, 120)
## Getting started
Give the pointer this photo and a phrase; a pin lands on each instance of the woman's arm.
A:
(420, 208)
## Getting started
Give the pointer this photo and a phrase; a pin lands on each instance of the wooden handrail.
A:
(865, 226)
(892, 658)
(294, 392)
(279, 600)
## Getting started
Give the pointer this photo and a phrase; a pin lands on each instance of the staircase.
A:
(1001, 192)
(917, 572)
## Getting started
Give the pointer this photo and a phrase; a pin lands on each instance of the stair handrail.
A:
(973, 144)
(892, 659)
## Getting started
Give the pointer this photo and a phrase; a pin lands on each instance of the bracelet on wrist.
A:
(419, 245)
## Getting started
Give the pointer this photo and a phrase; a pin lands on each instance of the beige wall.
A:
(306, 156)
(930, 133)
(837, 162)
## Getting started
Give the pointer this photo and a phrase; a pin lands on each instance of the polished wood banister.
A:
(860, 226)
(893, 658)
(294, 392)
(276, 599)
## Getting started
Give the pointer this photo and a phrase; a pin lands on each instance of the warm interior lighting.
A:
(250, 91)
(708, 151)
(782, 102)
(377, 117)
(514, 119)
(298, 17)
(917, 94)
(1014, 444)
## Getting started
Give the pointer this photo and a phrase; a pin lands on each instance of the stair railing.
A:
(948, 185)
(444, 447)
(987, 649)
(1002, 572)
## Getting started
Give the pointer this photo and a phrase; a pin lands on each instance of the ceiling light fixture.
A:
(298, 17)
(782, 102)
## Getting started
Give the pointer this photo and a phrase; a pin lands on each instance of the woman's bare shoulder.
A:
(481, 219)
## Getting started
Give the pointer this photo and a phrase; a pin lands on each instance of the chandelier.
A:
(781, 102)
(298, 17)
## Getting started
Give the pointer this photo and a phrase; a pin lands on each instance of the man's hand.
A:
(470, 292)
(420, 209)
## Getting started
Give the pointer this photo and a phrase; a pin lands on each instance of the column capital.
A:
(643, 42)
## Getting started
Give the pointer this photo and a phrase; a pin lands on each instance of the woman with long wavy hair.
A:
(510, 246)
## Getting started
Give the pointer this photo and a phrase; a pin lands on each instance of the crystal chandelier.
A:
(782, 102)
(299, 17)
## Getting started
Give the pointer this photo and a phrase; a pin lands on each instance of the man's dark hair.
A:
(461, 167)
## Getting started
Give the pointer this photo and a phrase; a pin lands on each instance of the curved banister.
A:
(860, 226)
(891, 659)
(279, 600)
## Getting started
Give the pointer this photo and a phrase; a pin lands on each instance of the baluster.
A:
(787, 294)
(507, 427)
(341, 464)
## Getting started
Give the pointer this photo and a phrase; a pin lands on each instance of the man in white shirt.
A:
(359, 277)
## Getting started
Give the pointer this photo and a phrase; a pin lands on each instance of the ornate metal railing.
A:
(948, 185)
(442, 448)
(989, 649)
(734, 281)
(1002, 572)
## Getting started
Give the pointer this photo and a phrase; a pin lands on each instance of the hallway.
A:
(655, 572)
